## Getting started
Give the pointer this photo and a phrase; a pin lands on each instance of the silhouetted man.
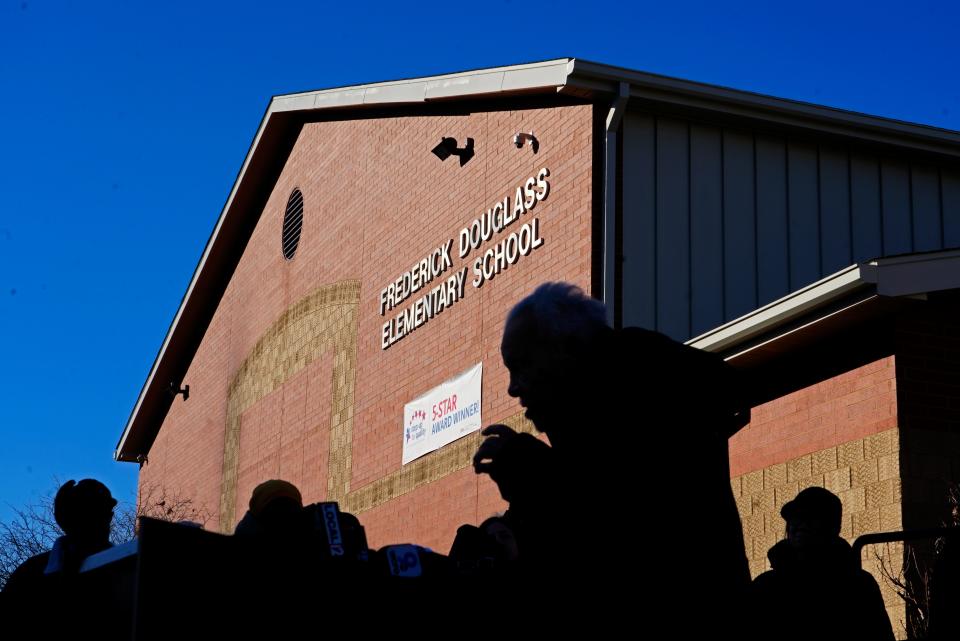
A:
(84, 512)
(43, 598)
(816, 588)
(634, 488)
(276, 513)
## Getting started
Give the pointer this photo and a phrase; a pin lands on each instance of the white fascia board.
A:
(912, 274)
(894, 276)
(465, 85)
(513, 78)
(780, 311)
(538, 75)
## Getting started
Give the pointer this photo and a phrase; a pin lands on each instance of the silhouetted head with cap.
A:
(813, 517)
(84, 511)
(276, 507)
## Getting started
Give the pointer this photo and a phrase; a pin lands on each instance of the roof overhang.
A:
(854, 291)
(264, 160)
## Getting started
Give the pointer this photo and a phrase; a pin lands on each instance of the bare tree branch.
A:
(912, 580)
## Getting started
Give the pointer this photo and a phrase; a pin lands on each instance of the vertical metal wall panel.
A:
(835, 246)
(865, 207)
(773, 266)
(804, 214)
(897, 219)
(706, 228)
(639, 221)
(925, 194)
(950, 196)
(739, 225)
(673, 229)
(718, 221)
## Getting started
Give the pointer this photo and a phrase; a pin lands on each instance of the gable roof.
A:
(573, 77)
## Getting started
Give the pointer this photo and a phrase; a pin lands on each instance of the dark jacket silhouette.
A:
(631, 502)
(818, 592)
(84, 512)
(43, 598)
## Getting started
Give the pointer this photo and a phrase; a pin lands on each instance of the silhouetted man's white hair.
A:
(562, 313)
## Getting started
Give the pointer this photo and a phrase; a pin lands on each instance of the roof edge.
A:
(550, 74)
(557, 75)
(119, 453)
(756, 106)
(895, 276)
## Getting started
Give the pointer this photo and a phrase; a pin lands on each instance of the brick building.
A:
(812, 247)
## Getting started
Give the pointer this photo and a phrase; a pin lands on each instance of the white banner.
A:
(442, 415)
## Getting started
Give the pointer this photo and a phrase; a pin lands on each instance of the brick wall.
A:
(846, 407)
(288, 384)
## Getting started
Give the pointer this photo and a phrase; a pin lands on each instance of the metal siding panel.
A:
(803, 215)
(834, 211)
(950, 192)
(925, 191)
(639, 222)
(739, 225)
(865, 208)
(773, 255)
(706, 229)
(895, 194)
(673, 230)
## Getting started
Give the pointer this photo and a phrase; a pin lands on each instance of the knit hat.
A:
(270, 491)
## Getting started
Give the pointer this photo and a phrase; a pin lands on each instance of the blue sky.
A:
(124, 126)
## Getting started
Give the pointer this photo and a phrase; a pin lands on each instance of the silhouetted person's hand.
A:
(520, 464)
(485, 460)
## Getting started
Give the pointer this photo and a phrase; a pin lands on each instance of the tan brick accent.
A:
(432, 467)
(800, 468)
(824, 461)
(736, 485)
(837, 480)
(837, 422)
(323, 321)
(775, 475)
(367, 218)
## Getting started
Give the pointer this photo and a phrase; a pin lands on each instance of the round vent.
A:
(292, 224)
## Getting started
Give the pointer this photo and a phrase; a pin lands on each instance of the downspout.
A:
(611, 247)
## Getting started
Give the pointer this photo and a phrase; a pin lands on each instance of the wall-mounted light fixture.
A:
(520, 139)
(448, 147)
(175, 390)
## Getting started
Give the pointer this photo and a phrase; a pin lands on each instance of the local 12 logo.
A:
(415, 427)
